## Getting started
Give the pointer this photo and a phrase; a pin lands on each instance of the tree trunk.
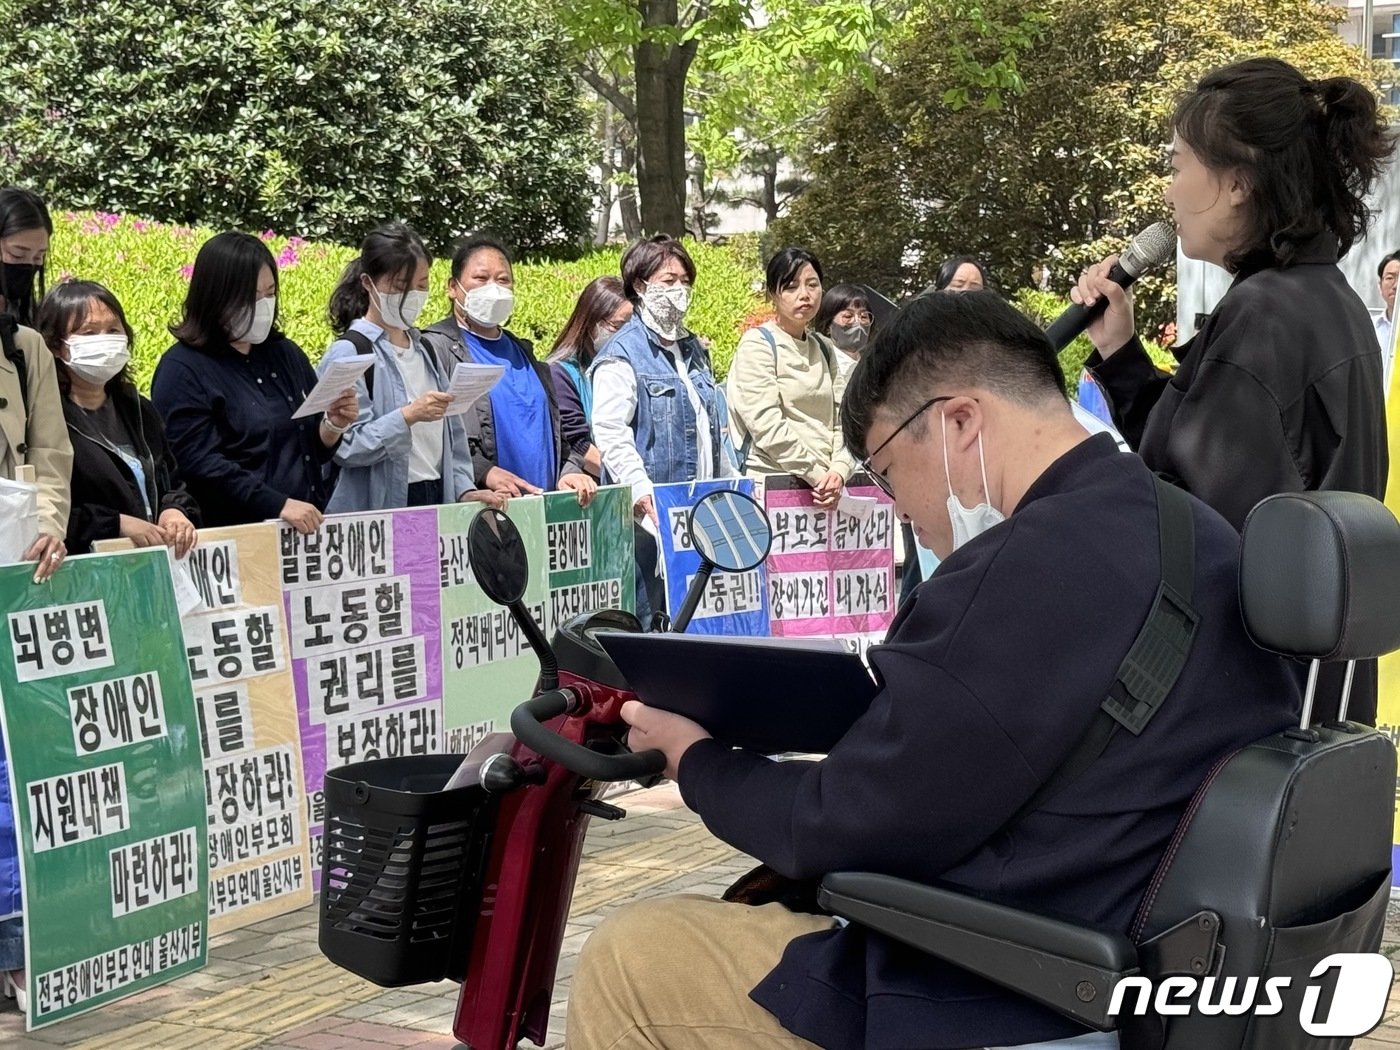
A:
(605, 173)
(699, 228)
(627, 194)
(770, 188)
(660, 72)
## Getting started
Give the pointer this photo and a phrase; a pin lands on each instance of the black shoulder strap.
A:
(362, 345)
(1158, 655)
(9, 328)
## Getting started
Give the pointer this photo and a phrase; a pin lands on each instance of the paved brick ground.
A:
(268, 986)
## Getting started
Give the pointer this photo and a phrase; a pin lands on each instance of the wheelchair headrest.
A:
(1320, 576)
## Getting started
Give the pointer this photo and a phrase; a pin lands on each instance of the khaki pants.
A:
(675, 973)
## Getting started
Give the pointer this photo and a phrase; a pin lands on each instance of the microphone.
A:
(1153, 247)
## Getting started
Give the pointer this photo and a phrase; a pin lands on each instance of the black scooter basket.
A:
(403, 869)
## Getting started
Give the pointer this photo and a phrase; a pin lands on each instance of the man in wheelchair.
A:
(1051, 700)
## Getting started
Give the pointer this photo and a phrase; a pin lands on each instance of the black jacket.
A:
(1279, 391)
(104, 488)
(445, 339)
(990, 674)
(228, 418)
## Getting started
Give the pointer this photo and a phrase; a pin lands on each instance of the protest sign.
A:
(488, 667)
(733, 603)
(110, 813)
(362, 604)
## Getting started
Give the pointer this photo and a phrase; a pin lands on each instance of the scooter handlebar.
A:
(527, 723)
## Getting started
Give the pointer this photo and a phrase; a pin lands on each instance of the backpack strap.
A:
(743, 453)
(9, 328)
(362, 345)
(1158, 655)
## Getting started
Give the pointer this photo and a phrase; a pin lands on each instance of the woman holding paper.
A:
(125, 479)
(227, 390)
(785, 386)
(516, 437)
(405, 449)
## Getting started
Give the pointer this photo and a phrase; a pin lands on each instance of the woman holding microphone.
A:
(1280, 390)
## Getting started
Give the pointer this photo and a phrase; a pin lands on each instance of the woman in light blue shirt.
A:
(403, 450)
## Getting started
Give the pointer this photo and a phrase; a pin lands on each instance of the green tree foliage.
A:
(1029, 132)
(298, 115)
(712, 88)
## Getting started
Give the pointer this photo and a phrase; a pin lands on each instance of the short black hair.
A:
(785, 265)
(1392, 257)
(65, 309)
(645, 257)
(473, 243)
(834, 300)
(939, 343)
(223, 285)
(950, 267)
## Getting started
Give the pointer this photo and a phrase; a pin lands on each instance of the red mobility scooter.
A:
(463, 867)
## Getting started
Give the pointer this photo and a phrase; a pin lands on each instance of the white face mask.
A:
(601, 334)
(664, 307)
(254, 325)
(489, 305)
(399, 310)
(97, 358)
(968, 522)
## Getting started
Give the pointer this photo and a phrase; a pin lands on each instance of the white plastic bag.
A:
(19, 519)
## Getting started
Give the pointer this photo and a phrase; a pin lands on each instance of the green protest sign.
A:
(487, 665)
(106, 774)
(591, 560)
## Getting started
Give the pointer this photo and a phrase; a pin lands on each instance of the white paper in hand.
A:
(469, 383)
(187, 596)
(340, 376)
(856, 506)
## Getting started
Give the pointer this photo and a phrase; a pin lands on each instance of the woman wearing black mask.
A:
(845, 319)
(32, 431)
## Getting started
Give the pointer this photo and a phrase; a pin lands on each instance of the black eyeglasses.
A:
(875, 475)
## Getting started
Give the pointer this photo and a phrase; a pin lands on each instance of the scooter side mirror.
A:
(496, 553)
(730, 531)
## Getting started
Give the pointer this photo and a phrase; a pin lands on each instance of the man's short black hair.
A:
(1380, 270)
(942, 344)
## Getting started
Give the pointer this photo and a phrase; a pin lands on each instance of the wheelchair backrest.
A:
(1288, 841)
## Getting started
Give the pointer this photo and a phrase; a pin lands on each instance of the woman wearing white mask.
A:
(227, 390)
(516, 438)
(125, 479)
(656, 414)
(403, 450)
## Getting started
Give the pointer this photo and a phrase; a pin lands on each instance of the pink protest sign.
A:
(830, 572)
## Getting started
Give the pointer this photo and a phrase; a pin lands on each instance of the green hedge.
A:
(1044, 307)
(147, 266)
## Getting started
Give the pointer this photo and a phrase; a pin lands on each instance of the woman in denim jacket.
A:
(656, 414)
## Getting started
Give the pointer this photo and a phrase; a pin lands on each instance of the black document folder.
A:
(762, 694)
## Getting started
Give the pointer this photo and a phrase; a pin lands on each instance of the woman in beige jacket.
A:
(32, 427)
(785, 386)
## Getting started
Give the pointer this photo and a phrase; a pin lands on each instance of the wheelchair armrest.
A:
(1071, 969)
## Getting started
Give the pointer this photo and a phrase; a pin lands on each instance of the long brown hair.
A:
(596, 304)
